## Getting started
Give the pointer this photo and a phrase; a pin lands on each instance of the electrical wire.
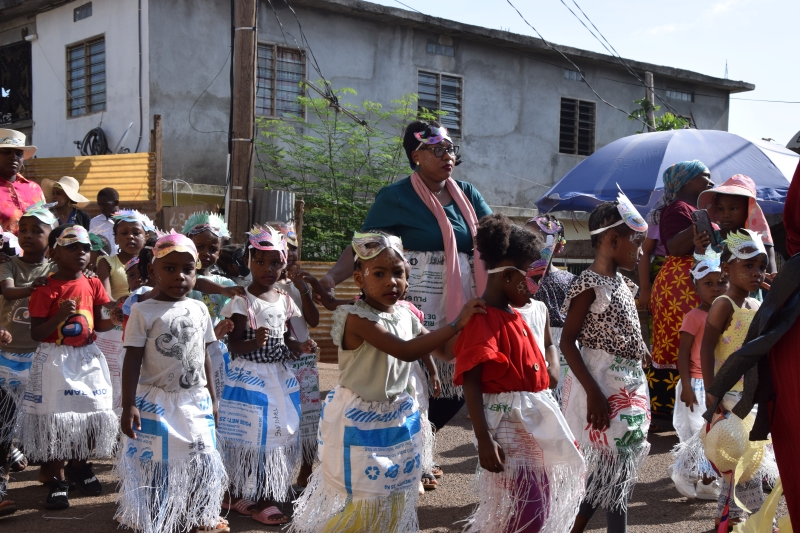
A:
(314, 62)
(627, 114)
(204, 92)
(616, 55)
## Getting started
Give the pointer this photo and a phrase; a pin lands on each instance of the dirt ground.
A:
(656, 506)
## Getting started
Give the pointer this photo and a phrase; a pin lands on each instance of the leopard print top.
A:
(612, 323)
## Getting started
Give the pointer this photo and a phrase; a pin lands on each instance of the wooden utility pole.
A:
(243, 111)
(650, 94)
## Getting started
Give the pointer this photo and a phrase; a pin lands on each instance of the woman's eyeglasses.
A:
(439, 150)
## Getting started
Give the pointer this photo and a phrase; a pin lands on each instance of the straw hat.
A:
(70, 187)
(16, 139)
(726, 442)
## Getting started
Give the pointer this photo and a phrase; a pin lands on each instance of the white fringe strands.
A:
(504, 496)
(10, 410)
(309, 449)
(428, 442)
(690, 459)
(447, 371)
(611, 477)
(321, 508)
(69, 435)
(162, 498)
(257, 473)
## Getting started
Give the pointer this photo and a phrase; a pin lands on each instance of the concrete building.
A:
(522, 115)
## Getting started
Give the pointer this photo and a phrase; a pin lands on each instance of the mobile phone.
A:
(703, 223)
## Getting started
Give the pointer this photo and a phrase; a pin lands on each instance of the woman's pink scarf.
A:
(454, 291)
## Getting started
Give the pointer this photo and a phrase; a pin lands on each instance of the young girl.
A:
(130, 227)
(18, 278)
(260, 406)
(208, 231)
(531, 475)
(67, 407)
(134, 274)
(604, 397)
(734, 207)
(370, 436)
(690, 393)
(744, 263)
(295, 282)
(171, 474)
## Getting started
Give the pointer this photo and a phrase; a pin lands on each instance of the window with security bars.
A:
(441, 92)
(280, 72)
(86, 77)
(577, 127)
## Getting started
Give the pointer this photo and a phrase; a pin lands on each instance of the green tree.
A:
(335, 164)
(667, 121)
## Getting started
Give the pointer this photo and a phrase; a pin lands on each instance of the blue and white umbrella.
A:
(638, 162)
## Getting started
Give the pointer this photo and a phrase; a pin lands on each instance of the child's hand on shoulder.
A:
(476, 306)
(490, 454)
(5, 337)
(39, 282)
(130, 421)
(230, 292)
(223, 328)
(4, 258)
(88, 273)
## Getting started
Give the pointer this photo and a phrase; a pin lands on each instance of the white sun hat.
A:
(16, 139)
(69, 185)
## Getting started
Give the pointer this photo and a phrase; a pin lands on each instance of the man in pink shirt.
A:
(16, 193)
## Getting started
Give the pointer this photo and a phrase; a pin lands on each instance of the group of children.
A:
(219, 402)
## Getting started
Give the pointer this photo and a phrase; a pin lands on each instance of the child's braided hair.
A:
(603, 216)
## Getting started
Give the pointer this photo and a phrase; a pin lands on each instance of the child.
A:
(7, 507)
(550, 285)
(605, 385)
(690, 394)
(130, 227)
(171, 474)
(531, 475)
(744, 263)
(207, 231)
(100, 247)
(67, 407)
(134, 274)
(734, 207)
(64, 193)
(18, 277)
(232, 264)
(293, 282)
(103, 224)
(260, 405)
(370, 436)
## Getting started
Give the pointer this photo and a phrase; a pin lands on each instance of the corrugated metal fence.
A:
(322, 333)
(132, 175)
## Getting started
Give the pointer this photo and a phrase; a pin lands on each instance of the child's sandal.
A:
(429, 482)
(437, 471)
(267, 516)
(220, 527)
(243, 507)
(7, 507)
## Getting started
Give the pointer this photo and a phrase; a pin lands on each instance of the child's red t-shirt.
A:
(503, 344)
(78, 328)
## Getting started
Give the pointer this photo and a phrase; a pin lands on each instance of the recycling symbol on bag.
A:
(372, 472)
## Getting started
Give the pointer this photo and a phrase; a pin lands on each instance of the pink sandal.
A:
(243, 507)
(265, 516)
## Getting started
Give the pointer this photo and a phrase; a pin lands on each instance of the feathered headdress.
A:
(41, 211)
(204, 221)
(267, 238)
(744, 244)
(132, 215)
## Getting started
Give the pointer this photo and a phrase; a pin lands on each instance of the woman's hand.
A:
(490, 454)
(472, 307)
(701, 241)
(130, 421)
(597, 410)
(688, 397)
(223, 328)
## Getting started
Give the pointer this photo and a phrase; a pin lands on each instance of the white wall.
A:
(117, 21)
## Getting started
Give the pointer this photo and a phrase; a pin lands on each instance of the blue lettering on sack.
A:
(358, 415)
(245, 376)
(248, 397)
(157, 429)
(379, 438)
(147, 407)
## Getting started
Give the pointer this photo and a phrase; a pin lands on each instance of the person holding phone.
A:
(672, 293)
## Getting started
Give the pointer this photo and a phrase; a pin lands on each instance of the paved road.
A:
(656, 506)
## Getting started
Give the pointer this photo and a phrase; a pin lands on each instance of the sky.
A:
(757, 38)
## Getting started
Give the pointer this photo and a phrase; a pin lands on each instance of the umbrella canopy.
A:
(638, 162)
